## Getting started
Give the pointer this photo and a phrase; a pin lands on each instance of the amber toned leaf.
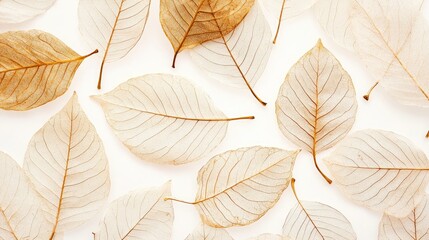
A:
(240, 57)
(66, 162)
(238, 187)
(114, 27)
(316, 106)
(164, 118)
(15, 11)
(204, 232)
(188, 23)
(380, 170)
(21, 211)
(141, 214)
(35, 68)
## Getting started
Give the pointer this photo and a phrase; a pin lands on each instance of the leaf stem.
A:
(318, 169)
(427, 135)
(178, 200)
(280, 22)
(368, 95)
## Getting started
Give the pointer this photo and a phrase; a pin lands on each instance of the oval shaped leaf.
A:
(142, 214)
(114, 27)
(21, 209)
(238, 187)
(268, 236)
(35, 68)
(240, 57)
(13, 11)
(313, 220)
(414, 226)
(164, 119)
(204, 232)
(380, 170)
(66, 162)
(190, 23)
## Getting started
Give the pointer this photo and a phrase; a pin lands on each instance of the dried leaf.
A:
(240, 57)
(35, 68)
(204, 232)
(316, 106)
(313, 220)
(268, 236)
(66, 162)
(141, 215)
(380, 170)
(21, 212)
(414, 226)
(190, 23)
(238, 187)
(113, 26)
(164, 118)
(15, 11)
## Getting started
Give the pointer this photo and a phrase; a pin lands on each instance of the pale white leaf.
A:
(204, 232)
(291, 8)
(164, 118)
(268, 236)
(142, 214)
(238, 187)
(380, 170)
(21, 211)
(66, 162)
(15, 11)
(240, 56)
(317, 221)
(412, 227)
(113, 26)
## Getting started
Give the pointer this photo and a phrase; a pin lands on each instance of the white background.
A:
(154, 54)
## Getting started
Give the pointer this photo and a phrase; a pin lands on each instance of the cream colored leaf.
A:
(188, 23)
(240, 57)
(317, 221)
(66, 162)
(204, 232)
(316, 106)
(164, 118)
(35, 68)
(394, 47)
(21, 211)
(380, 170)
(15, 11)
(238, 187)
(412, 227)
(268, 236)
(142, 214)
(113, 26)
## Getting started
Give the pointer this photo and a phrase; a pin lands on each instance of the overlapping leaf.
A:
(21, 211)
(113, 26)
(66, 162)
(204, 232)
(35, 68)
(412, 227)
(164, 119)
(380, 170)
(139, 215)
(15, 11)
(190, 23)
(316, 106)
(240, 57)
(268, 236)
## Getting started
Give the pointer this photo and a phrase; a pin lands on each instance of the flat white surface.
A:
(154, 54)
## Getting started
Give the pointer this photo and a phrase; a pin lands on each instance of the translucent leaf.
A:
(15, 11)
(204, 232)
(268, 236)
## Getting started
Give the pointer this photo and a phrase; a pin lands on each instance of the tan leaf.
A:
(204, 232)
(66, 162)
(113, 26)
(164, 118)
(240, 57)
(412, 227)
(15, 11)
(141, 214)
(238, 187)
(188, 23)
(35, 68)
(21, 211)
(380, 170)
(316, 106)
(268, 236)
